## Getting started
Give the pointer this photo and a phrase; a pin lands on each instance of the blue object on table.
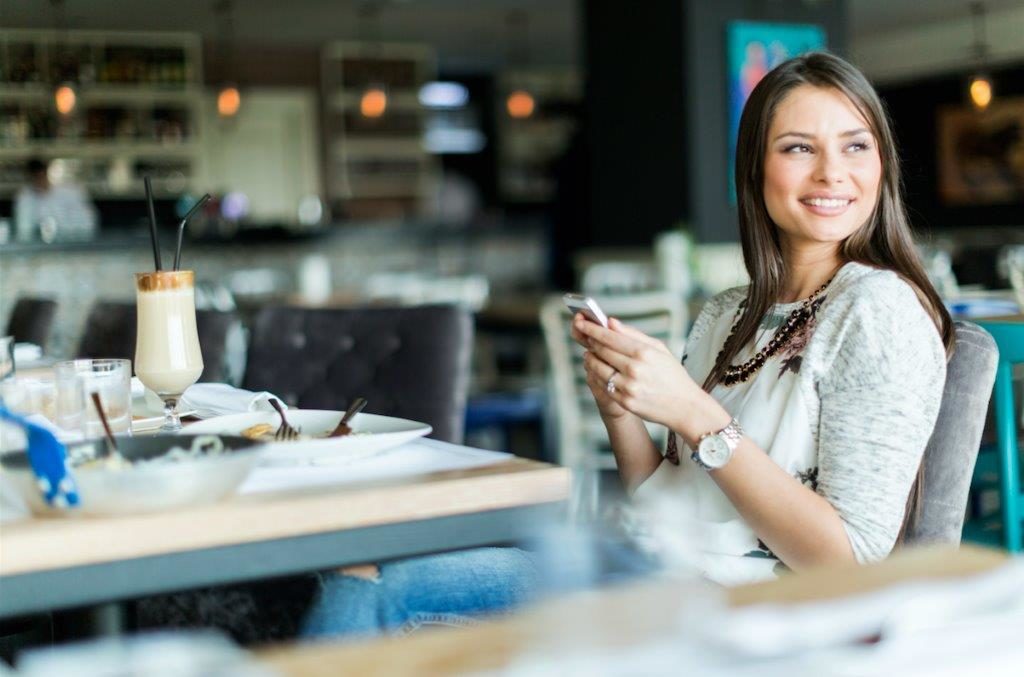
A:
(49, 462)
(1009, 338)
(982, 307)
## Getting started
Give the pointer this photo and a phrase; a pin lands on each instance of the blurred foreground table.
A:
(605, 620)
(57, 563)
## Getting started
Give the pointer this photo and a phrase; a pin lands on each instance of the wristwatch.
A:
(714, 450)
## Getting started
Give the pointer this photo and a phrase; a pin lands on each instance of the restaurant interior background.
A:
(486, 153)
(490, 154)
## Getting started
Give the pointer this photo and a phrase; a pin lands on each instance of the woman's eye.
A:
(859, 146)
(798, 148)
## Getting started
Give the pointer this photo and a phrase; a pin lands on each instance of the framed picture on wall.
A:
(981, 153)
(753, 49)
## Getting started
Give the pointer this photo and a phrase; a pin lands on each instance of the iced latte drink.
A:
(167, 355)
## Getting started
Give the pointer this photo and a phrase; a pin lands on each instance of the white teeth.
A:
(828, 204)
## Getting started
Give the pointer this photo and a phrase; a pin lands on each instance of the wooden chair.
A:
(582, 438)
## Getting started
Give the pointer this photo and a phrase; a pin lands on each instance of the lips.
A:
(827, 205)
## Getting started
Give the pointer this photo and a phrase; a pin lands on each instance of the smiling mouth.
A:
(827, 203)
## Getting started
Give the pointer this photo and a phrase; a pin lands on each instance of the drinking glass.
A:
(167, 355)
(77, 380)
(6, 357)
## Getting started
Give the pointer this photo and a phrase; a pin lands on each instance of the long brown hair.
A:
(884, 241)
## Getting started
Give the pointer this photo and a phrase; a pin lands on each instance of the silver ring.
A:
(610, 386)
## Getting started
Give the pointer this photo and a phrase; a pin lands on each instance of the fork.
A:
(285, 431)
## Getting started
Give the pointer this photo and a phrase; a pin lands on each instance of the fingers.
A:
(598, 375)
(598, 367)
(628, 330)
(614, 358)
(615, 340)
(575, 330)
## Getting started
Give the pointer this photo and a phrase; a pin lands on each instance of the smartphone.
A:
(588, 306)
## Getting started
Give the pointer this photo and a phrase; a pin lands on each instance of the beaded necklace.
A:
(794, 323)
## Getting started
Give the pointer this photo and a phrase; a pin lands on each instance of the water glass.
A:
(6, 357)
(77, 380)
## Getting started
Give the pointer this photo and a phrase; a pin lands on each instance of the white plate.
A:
(385, 432)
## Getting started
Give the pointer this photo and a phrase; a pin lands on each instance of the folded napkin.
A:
(219, 399)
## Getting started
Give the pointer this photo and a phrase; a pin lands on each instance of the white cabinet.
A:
(266, 152)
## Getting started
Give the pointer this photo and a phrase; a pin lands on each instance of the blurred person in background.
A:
(50, 212)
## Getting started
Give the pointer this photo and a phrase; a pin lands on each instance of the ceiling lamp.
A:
(373, 102)
(64, 69)
(979, 87)
(520, 104)
(228, 101)
(980, 90)
(65, 98)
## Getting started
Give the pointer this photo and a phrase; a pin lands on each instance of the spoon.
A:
(343, 429)
(111, 442)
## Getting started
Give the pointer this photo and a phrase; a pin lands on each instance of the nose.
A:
(829, 168)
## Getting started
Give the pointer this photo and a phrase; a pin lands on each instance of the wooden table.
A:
(48, 564)
(565, 624)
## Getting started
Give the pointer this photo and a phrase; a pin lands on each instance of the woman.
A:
(818, 385)
(800, 413)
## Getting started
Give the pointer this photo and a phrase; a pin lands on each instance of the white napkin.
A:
(218, 399)
(27, 352)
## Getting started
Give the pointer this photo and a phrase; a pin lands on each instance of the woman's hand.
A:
(608, 408)
(649, 380)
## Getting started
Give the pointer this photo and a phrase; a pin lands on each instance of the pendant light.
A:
(519, 103)
(373, 102)
(979, 87)
(229, 99)
(65, 90)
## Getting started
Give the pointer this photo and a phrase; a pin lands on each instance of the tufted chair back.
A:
(31, 320)
(410, 362)
(110, 332)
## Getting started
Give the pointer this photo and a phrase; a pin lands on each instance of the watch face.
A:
(714, 451)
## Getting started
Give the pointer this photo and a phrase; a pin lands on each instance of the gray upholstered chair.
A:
(110, 332)
(31, 320)
(953, 448)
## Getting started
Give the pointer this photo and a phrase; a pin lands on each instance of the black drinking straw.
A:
(152, 225)
(181, 227)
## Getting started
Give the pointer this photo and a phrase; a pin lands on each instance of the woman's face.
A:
(822, 169)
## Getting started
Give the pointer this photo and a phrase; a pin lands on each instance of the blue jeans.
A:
(456, 588)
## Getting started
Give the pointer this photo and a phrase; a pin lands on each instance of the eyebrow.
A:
(804, 135)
